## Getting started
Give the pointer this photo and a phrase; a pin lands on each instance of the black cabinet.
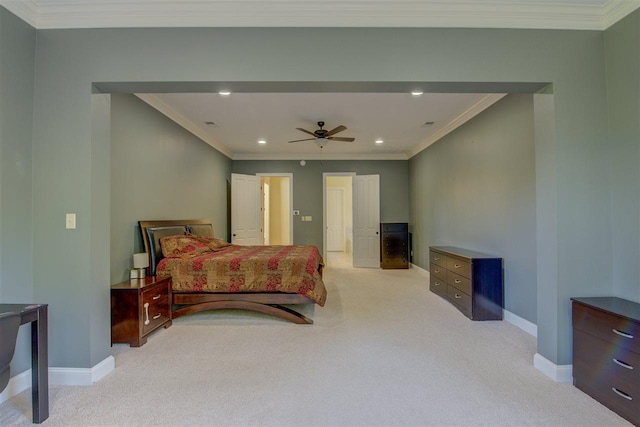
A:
(394, 245)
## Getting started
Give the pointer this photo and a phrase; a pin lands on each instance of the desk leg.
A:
(40, 367)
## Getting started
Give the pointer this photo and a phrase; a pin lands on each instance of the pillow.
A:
(211, 242)
(182, 246)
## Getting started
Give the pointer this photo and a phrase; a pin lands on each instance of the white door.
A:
(366, 221)
(335, 219)
(245, 210)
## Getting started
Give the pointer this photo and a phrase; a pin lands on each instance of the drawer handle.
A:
(622, 334)
(436, 271)
(436, 283)
(436, 258)
(156, 297)
(458, 281)
(457, 266)
(157, 316)
(624, 365)
(621, 393)
(146, 313)
(458, 296)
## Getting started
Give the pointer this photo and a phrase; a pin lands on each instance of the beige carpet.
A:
(384, 351)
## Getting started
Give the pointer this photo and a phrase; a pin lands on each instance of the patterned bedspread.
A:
(289, 269)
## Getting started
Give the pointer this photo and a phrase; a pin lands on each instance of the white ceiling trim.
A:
(322, 156)
(191, 126)
(467, 115)
(333, 13)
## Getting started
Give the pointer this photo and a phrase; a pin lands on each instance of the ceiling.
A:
(240, 120)
(397, 118)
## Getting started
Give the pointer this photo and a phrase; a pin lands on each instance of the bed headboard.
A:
(152, 231)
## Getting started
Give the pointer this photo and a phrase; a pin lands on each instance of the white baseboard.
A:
(524, 324)
(60, 376)
(81, 376)
(420, 269)
(17, 384)
(558, 373)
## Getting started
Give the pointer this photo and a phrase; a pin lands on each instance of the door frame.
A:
(290, 176)
(324, 206)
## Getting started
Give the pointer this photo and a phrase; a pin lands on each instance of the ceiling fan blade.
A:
(335, 130)
(306, 131)
(308, 139)
(338, 138)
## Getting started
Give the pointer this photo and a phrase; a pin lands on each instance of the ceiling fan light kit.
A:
(322, 136)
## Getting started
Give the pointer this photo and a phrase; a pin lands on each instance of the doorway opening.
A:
(276, 202)
(338, 217)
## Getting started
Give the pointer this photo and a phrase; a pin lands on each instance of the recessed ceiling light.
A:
(224, 93)
(211, 124)
(427, 124)
(379, 141)
(416, 92)
(262, 141)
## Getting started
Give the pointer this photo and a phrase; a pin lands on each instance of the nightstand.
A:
(138, 308)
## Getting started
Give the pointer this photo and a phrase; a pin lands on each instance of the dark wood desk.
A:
(36, 314)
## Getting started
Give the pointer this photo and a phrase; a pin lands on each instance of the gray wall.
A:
(65, 161)
(622, 43)
(307, 189)
(159, 171)
(17, 62)
(475, 188)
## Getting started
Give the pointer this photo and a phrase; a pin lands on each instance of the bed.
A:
(209, 274)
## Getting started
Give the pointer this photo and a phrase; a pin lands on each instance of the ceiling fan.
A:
(322, 136)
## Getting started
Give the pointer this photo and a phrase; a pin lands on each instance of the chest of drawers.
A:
(471, 281)
(394, 245)
(606, 353)
(138, 308)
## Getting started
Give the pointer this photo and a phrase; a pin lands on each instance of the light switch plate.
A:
(70, 221)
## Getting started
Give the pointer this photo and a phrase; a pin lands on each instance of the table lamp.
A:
(140, 263)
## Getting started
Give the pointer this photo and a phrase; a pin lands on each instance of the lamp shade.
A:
(140, 260)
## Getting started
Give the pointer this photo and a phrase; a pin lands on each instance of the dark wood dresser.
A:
(471, 281)
(606, 353)
(394, 245)
(138, 308)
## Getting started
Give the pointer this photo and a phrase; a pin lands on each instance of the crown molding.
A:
(322, 156)
(334, 13)
(616, 10)
(477, 108)
(27, 10)
(181, 120)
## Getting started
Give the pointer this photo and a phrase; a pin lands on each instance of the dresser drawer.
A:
(438, 258)
(459, 266)
(597, 360)
(438, 286)
(460, 282)
(459, 298)
(614, 329)
(399, 227)
(439, 272)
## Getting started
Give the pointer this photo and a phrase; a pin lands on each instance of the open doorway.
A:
(277, 224)
(338, 216)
